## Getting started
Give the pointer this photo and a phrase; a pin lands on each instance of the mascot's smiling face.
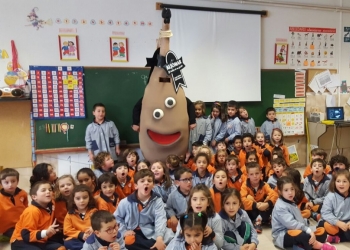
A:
(164, 118)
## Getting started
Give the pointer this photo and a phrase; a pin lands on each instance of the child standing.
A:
(142, 216)
(270, 123)
(173, 163)
(77, 224)
(202, 132)
(257, 197)
(216, 120)
(87, 177)
(193, 227)
(237, 227)
(232, 126)
(36, 224)
(277, 142)
(105, 235)
(13, 201)
(247, 123)
(278, 166)
(108, 199)
(202, 175)
(335, 210)
(43, 172)
(235, 177)
(316, 187)
(131, 157)
(163, 184)
(219, 186)
(103, 163)
(125, 184)
(289, 228)
(102, 135)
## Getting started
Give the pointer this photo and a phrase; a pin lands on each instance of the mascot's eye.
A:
(170, 102)
(158, 114)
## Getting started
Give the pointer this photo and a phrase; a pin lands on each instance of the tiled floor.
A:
(264, 238)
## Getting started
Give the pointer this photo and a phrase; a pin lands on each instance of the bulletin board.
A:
(15, 131)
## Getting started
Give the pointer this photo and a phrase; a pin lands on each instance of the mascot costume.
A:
(164, 120)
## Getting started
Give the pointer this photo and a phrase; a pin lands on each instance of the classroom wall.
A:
(40, 47)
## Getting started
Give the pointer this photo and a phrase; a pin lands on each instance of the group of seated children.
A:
(208, 202)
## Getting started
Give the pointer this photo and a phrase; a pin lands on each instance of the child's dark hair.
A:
(58, 195)
(193, 221)
(166, 177)
(81, 188)
(339, 159)
(248, 135)
(221, 142)
(239, 110)
(202, 155)
(253, 152)
(272, 141)
(284, 180)
(319, 160)
(142, 174)
(130, 151)
(319, 152)
(269, 109)
(220, 170)
(232, 104)
(229, 192)
(277, 151)
(100, 217)
(173, 161)
(40, 173)
(34, 189)
(205, 190)
(99, 104)
(232, 157)
(279, 161)
(217, 105)
(197, 144)
(118, 165)
(252, 165)
(202, 104)
(107, 178)
(237, 137)
(346, 173)
(148, 164)
(99, 159)
(180, 171)
(7, 172)
(296, 177)
(91, 174)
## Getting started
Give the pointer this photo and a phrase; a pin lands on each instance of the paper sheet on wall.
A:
(293, 154)
(314, 86)
(323, 79)
(330, 101)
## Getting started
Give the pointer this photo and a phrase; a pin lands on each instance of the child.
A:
(247, 147)
(316, 187)
(125, 184)
(105, 235)
(257, 197)
(36, 224)
(206, 149)
(235, 177)
(102, 135)
(236, 146)
(177, 200)
(13, 201)
(216, 120)
(193, 227)
(87, 177)
(173, 163)
(219, 186)
(278, 166)
(317, 153)
(131, 157)
(247, 123)
(103, 163)
(277, 142)
(63, 189)
(277, 153)
(237, 227)
(220, 159)
(202, 132)
(335, 210)
(250, 156)
(221, 145)
(189, 157)
(143, 164)
(142, 216)
(43, 172)
(289, 228)
(338, 162)
(77, 225)
(270, 123)
(108, 199)
(202, 175)
(164, 185)
(260, 147)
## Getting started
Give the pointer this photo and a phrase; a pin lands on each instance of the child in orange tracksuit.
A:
(125, 184)
(277, 142)
(317, 153)
(77, 225)
(13, 201)
(257, 197)
(37, 224)
(108, 199)
(248, 147)
(189, 160)
(131, 157)
(235, 177)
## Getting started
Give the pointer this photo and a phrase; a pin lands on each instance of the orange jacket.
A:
(60, 212)
(237, 181)
(263, 194)
(260, 152)
(189, 163)
(131, 172)
(242, 158)
(74, 226)
(11, 208)
(105, 203)
(216, 196)
(128, 188)
(308, 170)
(284, 149)
(33, 220)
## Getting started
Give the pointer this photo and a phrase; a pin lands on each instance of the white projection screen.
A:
(221, 52)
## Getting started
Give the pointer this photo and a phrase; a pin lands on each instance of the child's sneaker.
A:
(257, 226)
(332, 239)
(315, 216)
(328, 246)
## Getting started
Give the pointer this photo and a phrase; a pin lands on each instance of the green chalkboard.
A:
(272, 82)
(117, 88)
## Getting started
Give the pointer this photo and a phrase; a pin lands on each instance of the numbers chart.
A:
(57, 92)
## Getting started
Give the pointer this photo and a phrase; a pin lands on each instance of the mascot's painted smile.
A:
(163, 139)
